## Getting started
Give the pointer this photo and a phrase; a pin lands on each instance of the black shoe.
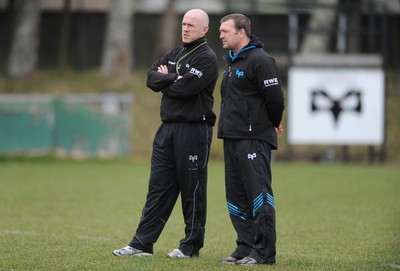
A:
(247, 261)
(228, 260)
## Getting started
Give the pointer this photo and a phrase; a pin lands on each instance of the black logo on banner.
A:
(349, 102)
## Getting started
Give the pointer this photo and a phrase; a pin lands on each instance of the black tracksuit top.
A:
(252, 98)
(189, 99)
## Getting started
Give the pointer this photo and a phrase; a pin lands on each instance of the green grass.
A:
(69, 215)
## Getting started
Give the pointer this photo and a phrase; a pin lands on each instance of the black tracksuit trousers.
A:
(250, 198)
(178, 165)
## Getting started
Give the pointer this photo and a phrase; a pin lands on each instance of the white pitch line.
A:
(99, 238)
(18, 232)
(80, 236)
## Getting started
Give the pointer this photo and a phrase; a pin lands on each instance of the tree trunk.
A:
(24, 49)
(10, 22)
(321, 19)
(117, 51)
(167, 34)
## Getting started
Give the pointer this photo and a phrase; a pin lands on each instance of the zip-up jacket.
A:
(252, 98)
(189, 99)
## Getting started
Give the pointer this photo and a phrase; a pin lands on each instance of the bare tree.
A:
(24, 48)
(321, 18)
(167, 34)
(10, 19)
(117, 52)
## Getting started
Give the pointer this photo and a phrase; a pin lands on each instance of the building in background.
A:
(271, 21)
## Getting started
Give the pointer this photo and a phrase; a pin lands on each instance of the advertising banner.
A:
(335, 106)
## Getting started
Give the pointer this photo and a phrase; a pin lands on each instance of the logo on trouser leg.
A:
(193, 166)
(192, 158)
(251, 156)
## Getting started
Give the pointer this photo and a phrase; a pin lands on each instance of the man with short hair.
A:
(186, 76)
(251, 112)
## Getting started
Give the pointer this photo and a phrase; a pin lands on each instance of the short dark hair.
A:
(240, 20)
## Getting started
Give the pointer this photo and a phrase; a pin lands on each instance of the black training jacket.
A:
(189, 99)
(252, 98)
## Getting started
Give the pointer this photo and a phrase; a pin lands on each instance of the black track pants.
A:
(178, 165)
(250, 198)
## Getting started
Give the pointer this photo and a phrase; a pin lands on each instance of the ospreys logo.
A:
(350, 102)
(239, 73)
(192, 158)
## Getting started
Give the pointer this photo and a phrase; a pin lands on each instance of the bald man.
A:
(186, 77)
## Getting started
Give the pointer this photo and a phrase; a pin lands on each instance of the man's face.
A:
(193, 27)
(229, 35)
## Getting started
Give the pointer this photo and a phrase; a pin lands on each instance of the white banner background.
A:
(352, 126)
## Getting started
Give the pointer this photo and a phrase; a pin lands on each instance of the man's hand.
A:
(162, 69)
(279, 129)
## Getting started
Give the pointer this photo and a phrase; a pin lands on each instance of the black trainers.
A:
(228, 260)
(247, 261)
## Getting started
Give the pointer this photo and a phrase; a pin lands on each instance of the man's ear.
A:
(205, 29)
(243, 32)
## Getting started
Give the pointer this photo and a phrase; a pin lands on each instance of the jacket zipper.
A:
(248, 115)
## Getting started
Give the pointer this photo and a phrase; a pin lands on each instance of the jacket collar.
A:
(190, 46)
(253, 43)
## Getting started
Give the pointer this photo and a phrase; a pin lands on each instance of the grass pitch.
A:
(66, 215)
